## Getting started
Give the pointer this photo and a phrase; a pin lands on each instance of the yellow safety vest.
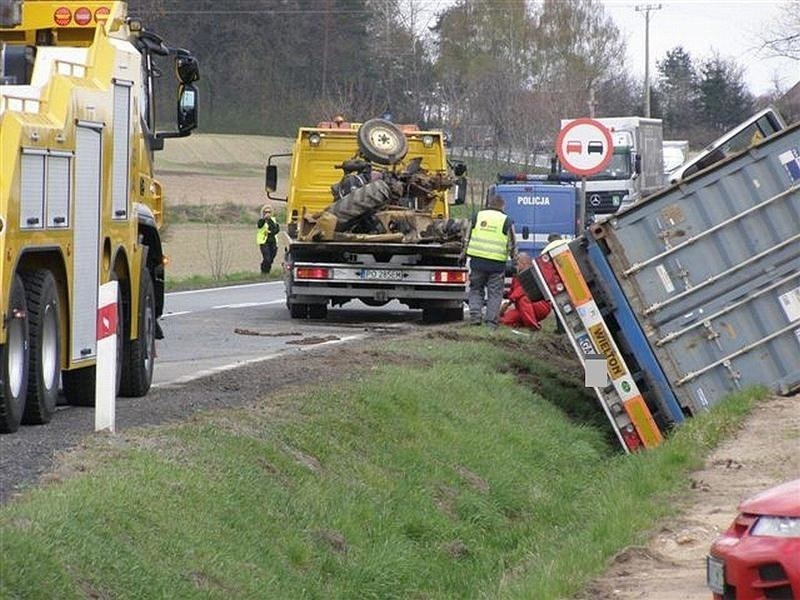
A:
(487, 239)
(263, 233)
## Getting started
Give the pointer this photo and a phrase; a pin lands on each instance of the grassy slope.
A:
(443, 473)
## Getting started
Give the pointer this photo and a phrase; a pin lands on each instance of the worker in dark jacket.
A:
(268, 228)
(519, 310)
(491, 242)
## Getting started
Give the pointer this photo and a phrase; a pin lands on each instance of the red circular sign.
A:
(62, 16)
(101, 14)
(584, 146)
(83, 16)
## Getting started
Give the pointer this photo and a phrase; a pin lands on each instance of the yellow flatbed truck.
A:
(78, 202)
(394, 241)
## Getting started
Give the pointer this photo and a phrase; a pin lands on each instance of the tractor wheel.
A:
(382, 142)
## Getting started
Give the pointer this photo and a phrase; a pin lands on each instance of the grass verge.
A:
(454, 466)
(195, 282)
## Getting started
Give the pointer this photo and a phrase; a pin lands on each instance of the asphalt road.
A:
(208, 334)
(207, 331)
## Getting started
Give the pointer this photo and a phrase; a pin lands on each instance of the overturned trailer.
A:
(691, 294)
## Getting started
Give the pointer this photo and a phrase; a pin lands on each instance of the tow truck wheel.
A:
(139, 354)
(382, 142)
(44, 365)
(14, 360)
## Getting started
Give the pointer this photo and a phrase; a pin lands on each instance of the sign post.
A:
(106, 370)
(585, 148)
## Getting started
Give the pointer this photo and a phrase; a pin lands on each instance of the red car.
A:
(758, 557)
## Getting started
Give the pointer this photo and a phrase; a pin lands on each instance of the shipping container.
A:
(710, 269)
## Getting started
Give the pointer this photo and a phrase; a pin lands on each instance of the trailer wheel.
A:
(44, 366)
(14, 360)
(139, 354)
(382, 142)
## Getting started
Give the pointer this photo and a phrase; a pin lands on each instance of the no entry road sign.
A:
(584, 146)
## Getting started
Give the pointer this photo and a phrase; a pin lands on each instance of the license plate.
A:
(715, 575)
(382, 274)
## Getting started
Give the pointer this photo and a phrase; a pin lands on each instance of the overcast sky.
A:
(732, 28)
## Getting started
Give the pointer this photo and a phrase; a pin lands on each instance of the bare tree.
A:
(783, 36)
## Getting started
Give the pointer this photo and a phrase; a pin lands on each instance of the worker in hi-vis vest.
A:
(491, 243)
(268, 228)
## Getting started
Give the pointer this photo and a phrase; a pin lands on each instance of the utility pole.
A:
(646, 8)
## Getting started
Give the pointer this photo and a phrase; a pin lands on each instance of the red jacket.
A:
(524, 312)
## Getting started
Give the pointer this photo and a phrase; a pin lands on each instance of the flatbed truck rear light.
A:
(449, 277)
(312, 273)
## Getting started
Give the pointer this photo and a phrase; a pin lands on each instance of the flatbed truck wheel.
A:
(298, 310)
(317, 311)
(14, 360)
(44, 366)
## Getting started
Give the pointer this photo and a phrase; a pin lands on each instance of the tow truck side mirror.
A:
(187, 69)
(187, 108)
(460, 191)
(271, 183)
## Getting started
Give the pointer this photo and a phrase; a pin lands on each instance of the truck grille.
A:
(603, 203)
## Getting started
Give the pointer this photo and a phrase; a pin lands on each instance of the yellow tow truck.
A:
(78, 202)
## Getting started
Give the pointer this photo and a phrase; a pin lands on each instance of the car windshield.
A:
(618, 168)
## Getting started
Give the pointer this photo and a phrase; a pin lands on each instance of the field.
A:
(214, 186)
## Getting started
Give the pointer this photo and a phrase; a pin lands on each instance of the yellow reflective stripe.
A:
(573, 281)
(643, 422)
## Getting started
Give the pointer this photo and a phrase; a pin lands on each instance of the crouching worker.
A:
(519, 310)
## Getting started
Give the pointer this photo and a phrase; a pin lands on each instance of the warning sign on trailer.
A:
(584, 146)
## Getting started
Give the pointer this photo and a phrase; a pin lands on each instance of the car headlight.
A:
(777, 527)
(427, 141)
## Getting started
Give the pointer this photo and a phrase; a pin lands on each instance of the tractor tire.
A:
(382, 142)
(44, 330)
(14, 360)
(138, 356)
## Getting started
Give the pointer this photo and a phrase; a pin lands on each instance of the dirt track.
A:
(671, 566)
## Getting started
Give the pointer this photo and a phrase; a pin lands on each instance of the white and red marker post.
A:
(584, 147)
(105, 393)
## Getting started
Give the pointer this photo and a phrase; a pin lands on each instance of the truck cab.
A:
(636, 169)
(79, 205)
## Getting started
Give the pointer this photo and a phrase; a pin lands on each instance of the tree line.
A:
(499, 74)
